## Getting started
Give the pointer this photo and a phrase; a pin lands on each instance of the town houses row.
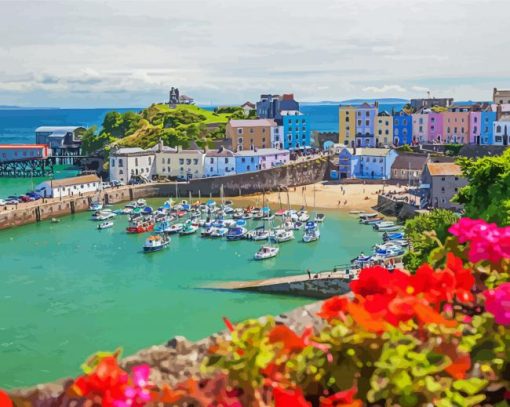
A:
(178, 163)
(436, 121)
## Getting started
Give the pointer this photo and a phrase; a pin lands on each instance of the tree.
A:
(92, 143)
(437, 221)
(405, 149)
(487, 195)
(112, 123)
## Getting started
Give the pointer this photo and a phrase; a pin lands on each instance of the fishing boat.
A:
(312, 232)
(236, 233)
(259, 233)
(218, 232)
(188, 229)
(105, 225)
(95, 206)
(266, 252)
(282, 235)
(155, 243)
(140, 226)
(320, 217)
(175, 228)
(384, 224)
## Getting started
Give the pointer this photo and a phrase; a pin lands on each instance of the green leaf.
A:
(470, 386)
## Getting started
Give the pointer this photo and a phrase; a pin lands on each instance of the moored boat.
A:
(105, 225)
(259, 233)
(155, 243)
(282, 235)
(218, 232)
(320, 217)
(236, 233)
(188, 229)
(392, 228)
(104, 214)
(312, 232)
(95, 206)
(175, 228)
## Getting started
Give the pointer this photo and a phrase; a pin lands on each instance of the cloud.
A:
(419, 89)
(384, 89)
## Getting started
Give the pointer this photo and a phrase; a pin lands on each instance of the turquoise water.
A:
(69, 290)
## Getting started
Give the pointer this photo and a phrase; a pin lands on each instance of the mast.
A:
(288, 198)
(280, 197)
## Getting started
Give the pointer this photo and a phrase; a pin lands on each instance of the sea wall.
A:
(295, 174)
(171, 363)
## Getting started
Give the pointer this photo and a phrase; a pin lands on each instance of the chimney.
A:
(494, 94)
(499, 111)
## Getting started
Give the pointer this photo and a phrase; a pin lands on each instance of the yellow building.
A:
(384, 129)
(178, 163)
(347, 125)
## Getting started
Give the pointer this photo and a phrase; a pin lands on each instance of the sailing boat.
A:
(267, 251)
(312, 232)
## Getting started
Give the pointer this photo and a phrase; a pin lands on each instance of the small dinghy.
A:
(266, 252)
(105, 225)
(320, 217)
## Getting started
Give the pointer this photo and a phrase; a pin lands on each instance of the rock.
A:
(180, 344)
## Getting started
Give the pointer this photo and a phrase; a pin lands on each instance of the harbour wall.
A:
(295, 174)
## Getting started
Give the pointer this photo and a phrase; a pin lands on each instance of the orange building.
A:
(250, 134)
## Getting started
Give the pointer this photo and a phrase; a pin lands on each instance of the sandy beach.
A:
(331, 196)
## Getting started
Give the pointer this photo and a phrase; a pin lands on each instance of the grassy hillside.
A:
(175, 126)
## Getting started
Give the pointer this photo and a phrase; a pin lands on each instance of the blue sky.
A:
(128, 53)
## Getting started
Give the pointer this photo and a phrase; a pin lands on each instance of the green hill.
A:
(175, 126)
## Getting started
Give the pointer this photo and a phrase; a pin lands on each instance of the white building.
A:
(219, 163)
(502, 132)
(178, 163)
(128, 162)
(277, 137)
(68, 186)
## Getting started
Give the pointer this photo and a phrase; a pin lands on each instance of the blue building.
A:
(365, 124)
(247, 161)
(486, 127)
(366, 163)
(402, 128)
(271, 106)
(296, 131)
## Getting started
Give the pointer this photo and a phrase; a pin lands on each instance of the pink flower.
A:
(497, 302)
(486, 241)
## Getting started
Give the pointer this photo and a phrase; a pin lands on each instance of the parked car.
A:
(116, 183)
(26, 198)
(3, 202)
(106, 185)
(34, 195)
(14, 198)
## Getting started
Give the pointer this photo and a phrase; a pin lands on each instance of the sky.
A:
(80, 53)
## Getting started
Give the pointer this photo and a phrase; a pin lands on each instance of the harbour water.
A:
(69, 290)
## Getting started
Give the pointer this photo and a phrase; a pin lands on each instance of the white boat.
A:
(105, 214)
(258, 234)
(302, 216)
(156, 243)
(188, 229)
(141, 203)
(105, 225)
(368, 214)
(355, 212)
(393, 228)
(282, 235)
(218, 232)
(400, 242)
(175, 228)
(383, 224)
(95, 206)
(266, 252)
(312, 232)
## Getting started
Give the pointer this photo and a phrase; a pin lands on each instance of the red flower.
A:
(5, 401)
(341, 399)
(333, 307)
(289, 398)
(228, 324)
(290, 340)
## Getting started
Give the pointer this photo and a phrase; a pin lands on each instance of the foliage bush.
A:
(438, 337)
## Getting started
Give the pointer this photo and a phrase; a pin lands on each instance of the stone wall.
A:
(389, 207)
(291, 175)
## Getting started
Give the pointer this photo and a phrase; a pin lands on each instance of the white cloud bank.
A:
(128, 53)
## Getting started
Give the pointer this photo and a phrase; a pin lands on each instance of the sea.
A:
(68, 290)
(18, 126)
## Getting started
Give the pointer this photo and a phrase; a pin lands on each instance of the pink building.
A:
(272, 157)
(420, 127)
(435, 127)
(475, 124)
(456, 127)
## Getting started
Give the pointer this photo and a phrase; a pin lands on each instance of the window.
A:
(120, 162)
(498, 129)
(195, 161)
(243, 160)
(121, 172)
(239, 131)
(113, 162)
(359, 122)
(442, 178)
(181, 161)
(150, 159)
(211, 160)
(136, 161)
(367, 114)
(251, 130)
(367, 122)
(226, 160)
(168, 160)
(442, 190)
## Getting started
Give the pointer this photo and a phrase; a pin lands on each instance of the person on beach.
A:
(309, 274)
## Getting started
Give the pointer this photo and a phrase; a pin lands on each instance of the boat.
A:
(393, 236)
(282, 235)
(138, 226)
(55, 220)
(105, 214)
(147, 210)
(236, 233)
(259, 233)
(175, 228)
(393, 228)
(140, 203)
(362, 259)
(312, 232)
(302, 216)
(268, 217)
(266, 252)
(218, 232)
(320, 217)
(206, 232)
(162, 227)
(95, 206)
(355, 212)
(239, 222)
(155, 243)
(105, 225)
(188, 229)
(390, 252)
(371, 221)
(400, 242)
(368, 214)
(280, 212)
(379, 225)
